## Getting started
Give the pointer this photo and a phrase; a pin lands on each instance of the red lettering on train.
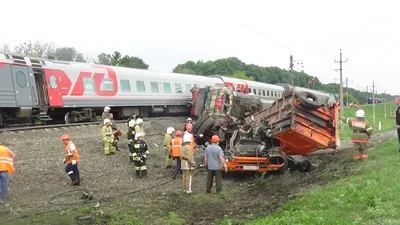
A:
(79, 89)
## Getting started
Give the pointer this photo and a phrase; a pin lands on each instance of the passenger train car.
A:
(75, 92)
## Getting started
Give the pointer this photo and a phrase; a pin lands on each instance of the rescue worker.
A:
(6, 167)
(214, 159)
(116, 131)
(132, 118)
(105, 114)
(139, 126)
(71, 160)
(131, 138)
(176, 143)
(167, 147)
(187, 163)
(189, 128)
(361, 134)
(189, 120)
(108, 139)
(398, 119)
(140, 153)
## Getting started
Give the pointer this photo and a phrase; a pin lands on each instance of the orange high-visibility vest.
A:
(176, 147)
(6, 161)
(71, 154)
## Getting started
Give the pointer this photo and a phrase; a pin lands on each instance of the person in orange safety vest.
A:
(71, 160)
(176, 144)
(6, 167)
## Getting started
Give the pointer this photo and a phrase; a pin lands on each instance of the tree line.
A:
(232, 67)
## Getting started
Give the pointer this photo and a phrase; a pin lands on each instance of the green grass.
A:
(371, 197)
(388, 123)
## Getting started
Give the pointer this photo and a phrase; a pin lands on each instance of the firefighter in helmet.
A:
(139, 126)
(71, 160)
(187, 163)
(108, 138)
(361, 134)
(106, 113)
(167, 147)
(131, 138)
(140, 153)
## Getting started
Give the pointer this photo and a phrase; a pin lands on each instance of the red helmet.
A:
(189, 126)
(214, 139)
(65, 137)
(178, 133)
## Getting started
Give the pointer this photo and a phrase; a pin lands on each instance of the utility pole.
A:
(385, 104)
(291, 71)
(367, 96)
(347, 91)
(373, 100)
(341, 89)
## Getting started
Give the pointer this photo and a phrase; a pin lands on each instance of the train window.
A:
(21, 79)
(178, 88)
(238, 88)
(188, 87)
(259, 92)
(268, 93)
(88, 83)
(167, 88)
(263, 92)
(107, 85)
(154, 87)
(254, 91)
(275, 94)
(140, 86)
(53, 82)
(249, 90)
(125, 85)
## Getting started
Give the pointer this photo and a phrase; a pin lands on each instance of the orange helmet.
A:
(65, 137)
(189, 126)
(214, 139)
(178, 133)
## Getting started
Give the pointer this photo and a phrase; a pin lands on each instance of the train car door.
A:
(22, 86)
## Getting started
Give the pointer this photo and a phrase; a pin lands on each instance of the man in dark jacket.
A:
(398, 119)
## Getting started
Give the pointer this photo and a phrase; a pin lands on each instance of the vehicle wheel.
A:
(66, 118)
(305, 101)
(1, 120)
(94, 117)
(206, 125)
(306, 167)
(285, 166)
(198, 123)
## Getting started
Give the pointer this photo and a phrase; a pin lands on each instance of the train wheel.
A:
(67, 118)
(1, 120)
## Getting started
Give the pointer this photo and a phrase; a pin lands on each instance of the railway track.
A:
(38, 127)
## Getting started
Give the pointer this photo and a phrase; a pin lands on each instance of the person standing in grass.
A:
(398, 118)
(6, 167)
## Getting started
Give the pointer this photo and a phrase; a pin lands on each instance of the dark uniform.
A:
(140, 152)
(398, 123)
(360, 137)
(131, 139)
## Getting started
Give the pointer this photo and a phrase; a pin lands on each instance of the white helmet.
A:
(106, 121)
(139, 121)
(137, 135)
(131, 123)
(107, 108)
(189, 119)
(360, 113)
(187, 137)
(170, 130)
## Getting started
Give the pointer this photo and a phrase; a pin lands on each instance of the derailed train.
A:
(48, 90)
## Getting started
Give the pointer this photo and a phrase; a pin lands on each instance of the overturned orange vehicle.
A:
(278, 137)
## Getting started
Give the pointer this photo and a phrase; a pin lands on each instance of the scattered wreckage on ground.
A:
(261, 136)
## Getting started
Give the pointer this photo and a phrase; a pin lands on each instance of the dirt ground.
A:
(41, 184)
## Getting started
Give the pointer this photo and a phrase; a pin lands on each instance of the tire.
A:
(198, 123)
(285, 166)
(306, 102)
(206, 125)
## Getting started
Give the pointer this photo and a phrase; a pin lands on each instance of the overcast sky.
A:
(166, 33)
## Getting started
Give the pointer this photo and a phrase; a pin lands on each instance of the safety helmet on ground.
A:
(170, 130)
(106, 121)
(131, 123)
(189, 126)
(360, 113)
(214, 139)
(107, 108)
(65, 137)
(187, 137)
(139, 121)
(189, 119)
(178, 133)
(137, 135)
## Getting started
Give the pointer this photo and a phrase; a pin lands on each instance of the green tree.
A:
(116, 59)
(241, 75)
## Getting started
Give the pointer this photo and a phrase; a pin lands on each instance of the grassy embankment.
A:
(388, 123)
